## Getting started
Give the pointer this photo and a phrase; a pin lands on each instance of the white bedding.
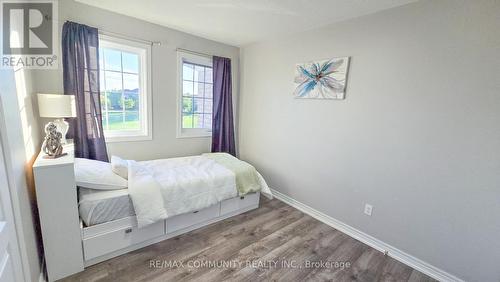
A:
(162, 188)
(168, 187)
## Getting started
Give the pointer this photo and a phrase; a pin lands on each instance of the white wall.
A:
(22, 140)
(164, 77)
(417, 137)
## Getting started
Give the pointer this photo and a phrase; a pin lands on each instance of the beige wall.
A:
(22, 141)
(417, 136)
(164, 78)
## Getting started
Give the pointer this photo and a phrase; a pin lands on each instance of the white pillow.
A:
(119, 166)
(97, 175)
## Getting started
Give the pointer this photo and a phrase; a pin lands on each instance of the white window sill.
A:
(116, 139)
(181, 135)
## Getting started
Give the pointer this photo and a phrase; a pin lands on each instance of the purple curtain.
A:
(80, 54)
(222, 121)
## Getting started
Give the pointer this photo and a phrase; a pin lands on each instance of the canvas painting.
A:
(322, 79)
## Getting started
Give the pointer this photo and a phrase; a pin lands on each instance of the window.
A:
(125, 90)
(195, 96)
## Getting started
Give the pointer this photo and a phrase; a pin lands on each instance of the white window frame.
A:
(145, 108)
(198, 60)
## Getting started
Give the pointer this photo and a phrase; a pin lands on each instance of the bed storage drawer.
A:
(182, 221)
(99, 242)
(239, 203)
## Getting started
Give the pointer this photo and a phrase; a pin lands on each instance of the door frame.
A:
(8, 205)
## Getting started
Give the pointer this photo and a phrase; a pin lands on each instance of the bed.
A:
(157, 189)
(127, 204)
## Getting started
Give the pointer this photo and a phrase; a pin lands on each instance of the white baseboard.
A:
(375, 243)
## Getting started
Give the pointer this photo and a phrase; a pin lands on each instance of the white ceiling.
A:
(240, 22)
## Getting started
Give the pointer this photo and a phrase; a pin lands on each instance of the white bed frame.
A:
(69, 246)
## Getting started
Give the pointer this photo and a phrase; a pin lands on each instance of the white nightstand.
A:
(56, 195)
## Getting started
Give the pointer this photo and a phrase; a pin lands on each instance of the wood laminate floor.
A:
(272, 243)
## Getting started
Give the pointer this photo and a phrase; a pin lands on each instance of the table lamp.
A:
(57, 106)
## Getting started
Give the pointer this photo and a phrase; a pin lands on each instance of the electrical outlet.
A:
(368, 209)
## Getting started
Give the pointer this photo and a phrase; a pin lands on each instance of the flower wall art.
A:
(322, 79)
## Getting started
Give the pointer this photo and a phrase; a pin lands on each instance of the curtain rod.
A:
(123, 36)
(194, 52)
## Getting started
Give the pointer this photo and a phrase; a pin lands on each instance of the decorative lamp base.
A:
(62, 126)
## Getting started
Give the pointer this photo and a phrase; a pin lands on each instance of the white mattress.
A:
(99, 206)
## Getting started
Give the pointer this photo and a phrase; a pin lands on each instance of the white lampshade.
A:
(56, 105)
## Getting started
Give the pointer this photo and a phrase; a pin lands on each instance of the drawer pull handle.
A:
(128, 230)
(195, 211)
(242, 197)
